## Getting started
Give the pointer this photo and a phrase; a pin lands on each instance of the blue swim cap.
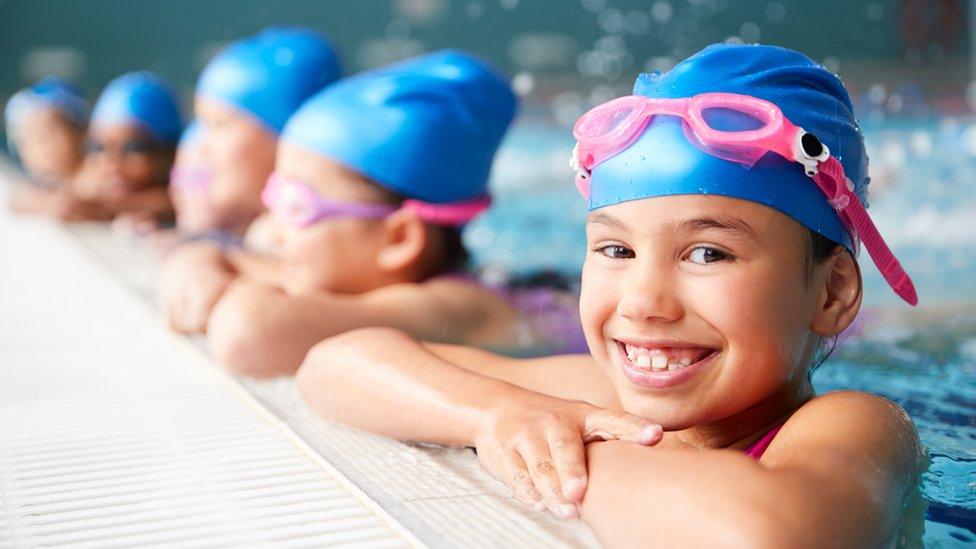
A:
(426, 128)
(662, 161)
(143, 99)
(51, 92)
(269, 75)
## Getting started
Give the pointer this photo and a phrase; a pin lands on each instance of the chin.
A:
(671, 416)
(294, 285)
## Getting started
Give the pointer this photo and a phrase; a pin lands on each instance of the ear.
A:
(840, 292)
(403, 242)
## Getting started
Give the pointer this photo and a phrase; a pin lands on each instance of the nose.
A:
(112, 165)
(650, 292)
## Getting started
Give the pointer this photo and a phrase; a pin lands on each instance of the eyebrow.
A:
(721, 222)
(604, 219)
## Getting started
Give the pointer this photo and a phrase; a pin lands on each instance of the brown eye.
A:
(616, 251)
(704, 255)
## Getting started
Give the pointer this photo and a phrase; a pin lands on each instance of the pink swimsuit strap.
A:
(757, 448)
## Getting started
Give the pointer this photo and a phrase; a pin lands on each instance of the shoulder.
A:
(855, 433)
(855, 411)
(479, 315)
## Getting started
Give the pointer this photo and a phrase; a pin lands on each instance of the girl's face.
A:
(124, 158)
(338, 254)
(194, 212)
(241, 153)
(697, 307)
(49, 146)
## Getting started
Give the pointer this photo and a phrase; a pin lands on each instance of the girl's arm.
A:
(195, 275)
(256, 266)
(154, 203)
(383, 381)
(835, 476)
(259, 330)
(192, 279)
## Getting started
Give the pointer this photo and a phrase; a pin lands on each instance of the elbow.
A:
(320, 379)
(748, 528)
(241, 334)
(761, 528)
(312, 377)
(761, 519)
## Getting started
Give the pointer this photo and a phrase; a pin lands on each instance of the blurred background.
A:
(909, 64)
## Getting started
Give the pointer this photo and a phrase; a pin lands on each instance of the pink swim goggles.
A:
(608, 129)
(190, 179)
(300, 206)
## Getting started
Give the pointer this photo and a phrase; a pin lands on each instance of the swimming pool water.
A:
(923, 198)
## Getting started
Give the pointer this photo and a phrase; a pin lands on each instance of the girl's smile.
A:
(659, 364)
(695, 307)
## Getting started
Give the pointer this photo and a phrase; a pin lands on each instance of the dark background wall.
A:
(555, 44)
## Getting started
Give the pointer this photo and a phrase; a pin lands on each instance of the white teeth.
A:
(645, 359)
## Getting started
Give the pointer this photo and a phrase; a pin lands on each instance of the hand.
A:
(64, 207)
(536, 445)
(193, 279)
(134, 224)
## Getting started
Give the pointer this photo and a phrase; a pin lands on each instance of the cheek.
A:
(227, 148)
(762, 314)
(247, 159)
(139, 170)
(598, 301)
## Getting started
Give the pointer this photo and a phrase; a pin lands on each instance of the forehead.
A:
(118, 132)
(210, 111)
(47, 116)
(688, 213)
(326, 176)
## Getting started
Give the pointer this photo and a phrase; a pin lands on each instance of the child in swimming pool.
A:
(375, 177)
(721, 261)
(243, 99)
(45, 126)
(132, 138)
(189, 182)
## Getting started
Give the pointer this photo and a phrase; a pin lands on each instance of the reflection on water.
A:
(924, 201)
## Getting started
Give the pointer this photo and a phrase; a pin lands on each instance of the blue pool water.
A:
(923, 199)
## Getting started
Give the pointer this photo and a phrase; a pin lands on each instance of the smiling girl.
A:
(723, 237)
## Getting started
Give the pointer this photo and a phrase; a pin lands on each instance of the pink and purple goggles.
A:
(299, 205)
(608, 129)
(190, 179)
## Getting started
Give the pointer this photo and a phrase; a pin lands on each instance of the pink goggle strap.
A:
(454, 214)
(312, 207)
(190, 178)
(854, 215)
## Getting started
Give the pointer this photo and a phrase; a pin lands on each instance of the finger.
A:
(171, 312)
(517, 478)
(538, 462)
(569, 458)
(606, 424)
